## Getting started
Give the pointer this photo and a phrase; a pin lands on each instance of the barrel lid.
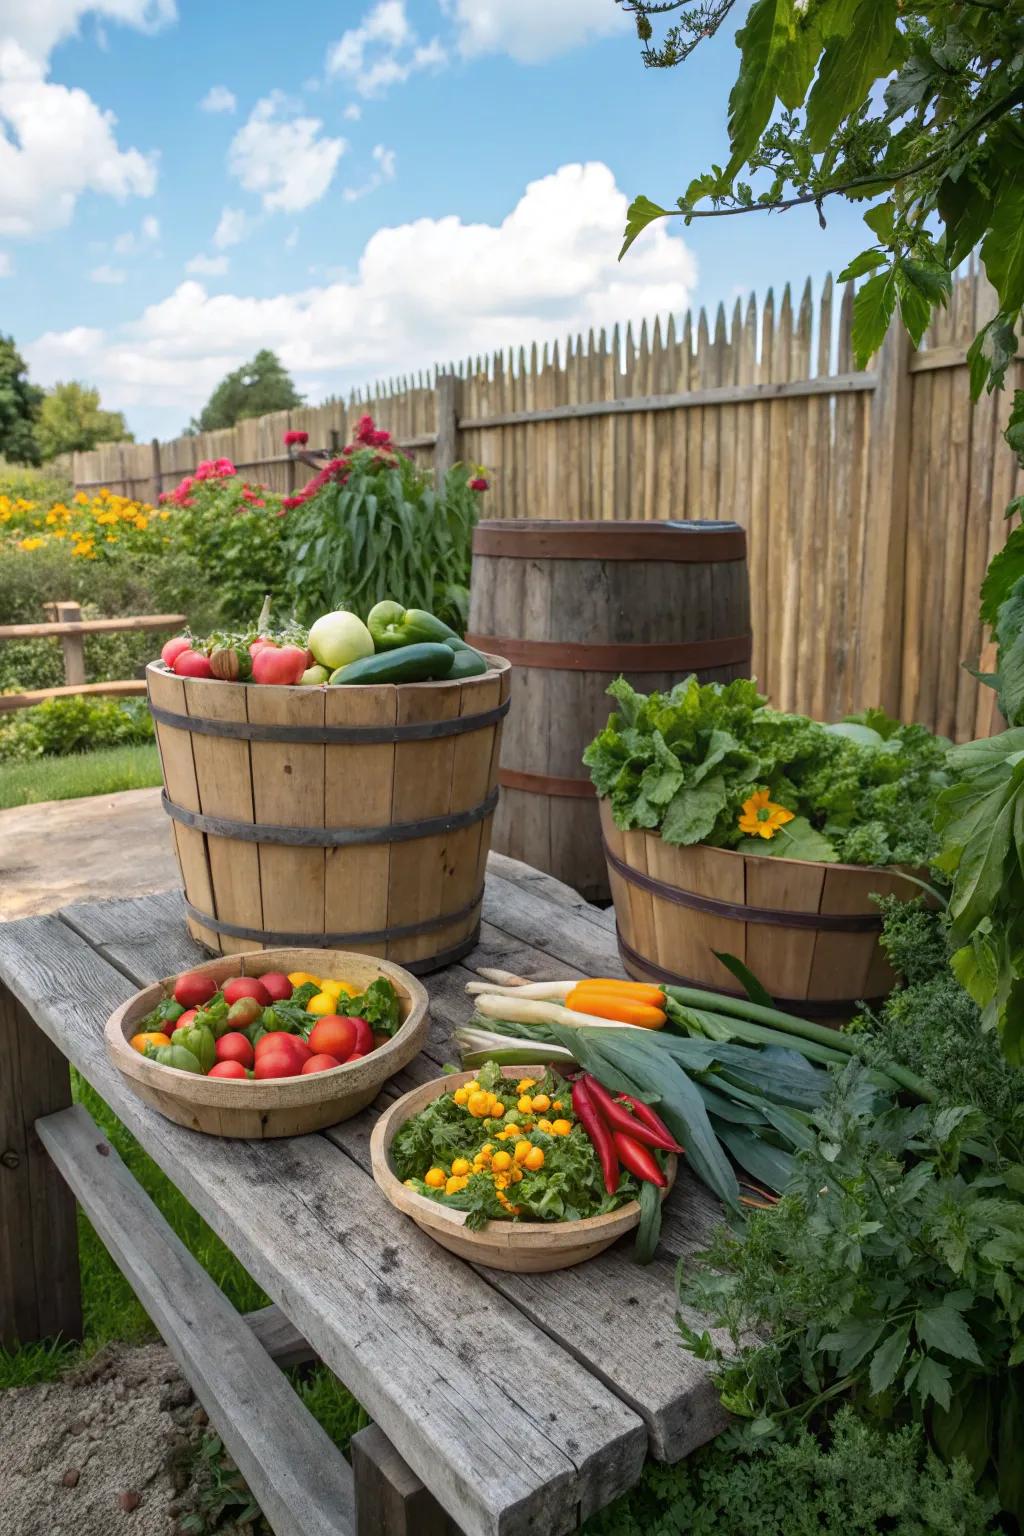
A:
(680, 540)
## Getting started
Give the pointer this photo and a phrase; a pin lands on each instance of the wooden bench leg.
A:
(39, 1284)
(390, 1499)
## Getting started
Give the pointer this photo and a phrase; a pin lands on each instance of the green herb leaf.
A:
(888, 1358)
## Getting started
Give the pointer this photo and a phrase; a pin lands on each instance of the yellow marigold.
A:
(81, 499)
(33, 543)
(761, 817)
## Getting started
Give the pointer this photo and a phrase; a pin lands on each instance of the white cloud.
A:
(232, 228)
(531, 31)
(382, 50)
(423, 292)
(385, 161)
(291, 240)
(133, 241)
(55, 144)
(353, 112)
(283, 159)
(207, 266)
(107, 274)
(218, 99)
(39, 25)
(6, 264)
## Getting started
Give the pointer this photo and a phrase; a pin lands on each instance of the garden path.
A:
(91, 849)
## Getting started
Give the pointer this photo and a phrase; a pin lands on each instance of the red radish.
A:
(174, 648)
(243, 1013)
(235, 1047)
(277, 1064)
(246, 986)
(282, 666)
(229, 1069)
(321, 1063)
(261, 644)
(193, 990)
(334, 1035)
(192, 664)
(278, 985)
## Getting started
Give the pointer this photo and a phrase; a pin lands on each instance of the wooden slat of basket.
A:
(686, 939)
(288, 791)
(359, 784)
(781, 957)
(224, 780)
(179, 771)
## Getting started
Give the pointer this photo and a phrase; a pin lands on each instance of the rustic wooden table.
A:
(501, 1403)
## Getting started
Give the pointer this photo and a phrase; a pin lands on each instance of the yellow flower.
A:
(81, 499)
(761, 817)
(30, 543)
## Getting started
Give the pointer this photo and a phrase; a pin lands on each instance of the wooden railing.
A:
(71, 628)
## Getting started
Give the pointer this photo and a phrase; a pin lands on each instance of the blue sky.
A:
(368, 187)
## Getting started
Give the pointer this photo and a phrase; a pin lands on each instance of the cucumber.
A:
(427, 662)
(457, 643)
(468, 663)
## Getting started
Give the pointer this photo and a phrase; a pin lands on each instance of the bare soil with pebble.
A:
(111, 1449)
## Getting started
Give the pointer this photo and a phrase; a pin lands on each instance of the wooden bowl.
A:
(288, 1106)
(526, 1247)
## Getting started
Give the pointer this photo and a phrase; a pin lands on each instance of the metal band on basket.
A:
(808, 1008)
(327, 940)
(546, 784)
(320, 735)
(330, 837)
(568, 656)
(710, 543)
(776, 917)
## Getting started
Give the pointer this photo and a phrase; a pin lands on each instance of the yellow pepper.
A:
(299, 978)
(560, 1127)
(321, 1005)
(534, 1159)
(148, 1037)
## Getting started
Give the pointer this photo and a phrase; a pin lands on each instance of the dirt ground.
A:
(94, 849)
(112, 1449)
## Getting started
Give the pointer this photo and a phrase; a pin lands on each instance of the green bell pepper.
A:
(196, 1039)
(174, 1056)
(392, 626)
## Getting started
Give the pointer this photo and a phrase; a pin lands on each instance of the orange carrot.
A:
(639, 991)
(613, 1005)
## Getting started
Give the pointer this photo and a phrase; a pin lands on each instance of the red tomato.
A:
(243, 1013)
(364, 1037)
(235, 1047)
(260, 645)
(283, 666)
(229, 1069)
(193, 990)
(321, 1063)
(277, 1064)
(335, 1035)
(184, 1019)
(192, 664)
(279, 1043)
(174, 648)
(246, 986)
(278, 985)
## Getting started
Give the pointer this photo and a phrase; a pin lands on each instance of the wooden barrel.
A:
(572, 605)
(809, 932)
(340, 818)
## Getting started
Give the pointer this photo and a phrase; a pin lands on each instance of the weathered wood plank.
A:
(390, 1499)
(280, 1338)
(554, 930)
(302, 1482)
(547, 888)
(387, 1310)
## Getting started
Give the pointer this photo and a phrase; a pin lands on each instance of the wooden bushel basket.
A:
(342, 818)
(809, 932)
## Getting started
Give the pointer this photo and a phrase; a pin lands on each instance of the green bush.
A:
(126, 584)
(21, 481)
(224, 553)
(77, 724)
(863, 1482)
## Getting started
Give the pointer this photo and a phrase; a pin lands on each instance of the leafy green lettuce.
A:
(683, 763)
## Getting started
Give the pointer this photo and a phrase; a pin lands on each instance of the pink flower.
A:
(289, 502)
(295, 437)
(478, 484)
(224, 467)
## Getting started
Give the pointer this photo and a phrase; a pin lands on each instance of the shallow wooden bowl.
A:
(288, 1106)
(526, 1247)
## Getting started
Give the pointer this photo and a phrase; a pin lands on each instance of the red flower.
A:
(295, 437)
(224, 467)
(479, 484)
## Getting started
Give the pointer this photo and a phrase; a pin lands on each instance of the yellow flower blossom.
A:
(761, 817)
(30, 543)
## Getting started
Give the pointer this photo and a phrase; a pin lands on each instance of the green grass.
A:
(86, 773)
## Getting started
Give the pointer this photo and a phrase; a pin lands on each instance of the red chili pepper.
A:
(654, 1122)
(600, 1136)
(618, 1118)
(638, 1159)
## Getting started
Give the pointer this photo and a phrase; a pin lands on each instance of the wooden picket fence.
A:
(872, 499)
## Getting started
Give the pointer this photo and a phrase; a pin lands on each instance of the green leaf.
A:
(1002, 250)
(746, 978)
(1011, 1437)
(796, 840)
(943, 1328)
(1005, 570)
(873, 307)
(964, 208)
(639, 214)
(887, 1359)
(933, 1380)
(991, 353)
(853, 1340)
(849, 67)
(762, 44)
(1014, 431)
(861, 265)
(763, 1161)
(692, 813)
(976, 965)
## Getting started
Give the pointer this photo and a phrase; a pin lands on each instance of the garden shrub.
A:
(74, 724)
(862, 1482)
(21, 481)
